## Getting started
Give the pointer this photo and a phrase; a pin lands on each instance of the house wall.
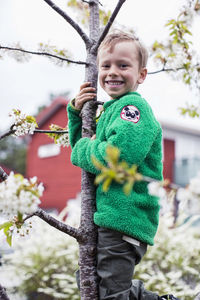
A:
(187, 144)
(168, 159)
(60, 178)
(184, 164)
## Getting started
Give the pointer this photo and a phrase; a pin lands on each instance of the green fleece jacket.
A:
(129, 124)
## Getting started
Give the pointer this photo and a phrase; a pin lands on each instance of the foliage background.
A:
(43, 264)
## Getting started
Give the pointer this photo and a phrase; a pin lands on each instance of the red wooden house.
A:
(62, 181)
(51, 163)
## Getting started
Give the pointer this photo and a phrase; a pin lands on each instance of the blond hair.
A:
(120, 36)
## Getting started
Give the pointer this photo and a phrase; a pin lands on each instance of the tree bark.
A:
(87, 250)
(3, 295)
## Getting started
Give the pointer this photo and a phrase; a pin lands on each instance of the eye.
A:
(105, 66)
(123, 66)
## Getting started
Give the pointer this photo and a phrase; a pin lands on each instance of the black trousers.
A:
(116, 260)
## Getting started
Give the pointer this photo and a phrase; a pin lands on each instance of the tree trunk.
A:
(87, 249)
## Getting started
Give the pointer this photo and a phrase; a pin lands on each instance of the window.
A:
(48, 150)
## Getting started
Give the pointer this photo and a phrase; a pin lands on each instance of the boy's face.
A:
(119, 71)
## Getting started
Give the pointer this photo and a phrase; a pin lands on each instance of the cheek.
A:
(101, 77)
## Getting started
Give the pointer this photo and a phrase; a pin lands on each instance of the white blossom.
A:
(183, 195)
(194, 185)
(19, 195)
(155, 189)
(23, 124)
(63, 140)
(50, 248)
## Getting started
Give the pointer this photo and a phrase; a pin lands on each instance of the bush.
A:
(44, 264)
(172, 265)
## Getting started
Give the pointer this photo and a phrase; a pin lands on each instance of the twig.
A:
(44, 54)
(3, 174)
(197, 297)
(50, 131)
(82, 34)
(110, 22)
(74, 232)
(11, 131)
(3, 294)
(170, 69)
(169, 185)
(35, 131)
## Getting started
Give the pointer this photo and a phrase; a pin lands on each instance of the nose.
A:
(113, 71)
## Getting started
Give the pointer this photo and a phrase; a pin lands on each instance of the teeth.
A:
(114, 82)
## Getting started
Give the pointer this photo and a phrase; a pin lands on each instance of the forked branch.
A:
(82, 34)
(110, 22)
(74, 232)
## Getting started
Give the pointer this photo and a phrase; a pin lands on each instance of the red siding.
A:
(61, 179)
(169, 157)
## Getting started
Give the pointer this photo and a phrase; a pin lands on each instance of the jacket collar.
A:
(110, 102)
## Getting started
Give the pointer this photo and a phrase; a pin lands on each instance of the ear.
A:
(142, 75)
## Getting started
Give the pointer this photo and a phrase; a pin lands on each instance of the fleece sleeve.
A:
(133, 139)
(74, 124)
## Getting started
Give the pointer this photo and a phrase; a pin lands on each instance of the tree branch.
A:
(70, 21)
(110, 22)
(74, 232)
(3, 174)
(50, 131)
(11, 131)
(8, 133)
(170, 69)
(3, 295)
(44, 54)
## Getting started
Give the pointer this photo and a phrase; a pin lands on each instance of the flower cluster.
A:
(19, 195)
(171, 267)
(23, 124)
(62, 139)
(189, 197)
(50, 248)
(155, 188)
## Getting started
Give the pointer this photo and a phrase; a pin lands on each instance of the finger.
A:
(93, 137)
(79, 102)
(84, 97)
(85, 84)
(87, 90)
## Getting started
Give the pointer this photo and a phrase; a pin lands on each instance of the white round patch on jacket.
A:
(130, 113)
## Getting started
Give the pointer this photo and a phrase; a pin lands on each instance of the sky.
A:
(28, 85)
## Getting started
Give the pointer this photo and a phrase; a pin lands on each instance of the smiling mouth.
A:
(114, 83)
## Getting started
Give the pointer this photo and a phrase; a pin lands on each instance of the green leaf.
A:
(99, 178)
(6, 229)
(31, 119)
(97, 164)
(6, 225)
(106, 184)
(128, 187)
(112, 154)
(9, 238)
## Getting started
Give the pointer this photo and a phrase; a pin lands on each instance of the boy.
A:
(126, 224)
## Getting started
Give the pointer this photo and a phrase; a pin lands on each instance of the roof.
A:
(50, 110)
(178, 127)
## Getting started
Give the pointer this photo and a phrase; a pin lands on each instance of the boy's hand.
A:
(85, 94)
(93, 137)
